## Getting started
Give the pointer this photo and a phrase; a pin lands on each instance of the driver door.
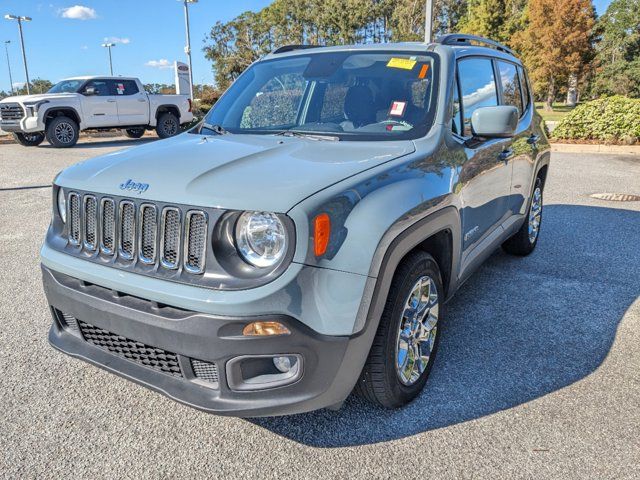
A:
(100, 108)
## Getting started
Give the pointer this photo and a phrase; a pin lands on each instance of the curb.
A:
(596, 148)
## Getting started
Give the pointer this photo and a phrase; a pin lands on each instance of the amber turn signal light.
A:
(321, 234)
(263, 329)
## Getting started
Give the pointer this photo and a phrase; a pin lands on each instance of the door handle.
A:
(142, 100)
(533, 139)
(111, 101)
(505, 155)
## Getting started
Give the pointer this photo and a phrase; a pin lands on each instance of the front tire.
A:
(63, 132)
(134, 132)
(524, 241)
(406, 342)
(29, 139)
(168, 125)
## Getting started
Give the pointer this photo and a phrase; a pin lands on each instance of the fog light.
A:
(264, 329)
(282, 363)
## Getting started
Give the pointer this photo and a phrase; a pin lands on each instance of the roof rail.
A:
(464, 39)
(290, 48)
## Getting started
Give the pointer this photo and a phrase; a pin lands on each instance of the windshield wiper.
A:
(217, 129)
(310, 135)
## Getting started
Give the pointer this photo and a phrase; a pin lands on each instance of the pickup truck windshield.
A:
(352, 96)
(66, 86)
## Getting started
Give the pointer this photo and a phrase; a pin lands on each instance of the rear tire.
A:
(62, 132)
(29, 139)
(524, 241)
(168, 125)
(134, 132)
(392, 377)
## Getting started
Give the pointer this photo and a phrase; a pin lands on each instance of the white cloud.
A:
(84, 47)
(79, 12)
(121, 40)
(18, 84)
(162, 63)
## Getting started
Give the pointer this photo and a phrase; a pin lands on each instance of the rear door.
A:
(133, 104)
(99, 110)
(485, 177)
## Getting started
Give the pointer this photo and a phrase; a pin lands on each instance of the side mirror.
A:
(494, 122)
(89, 91)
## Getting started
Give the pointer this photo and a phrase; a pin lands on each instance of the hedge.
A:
(613, 119)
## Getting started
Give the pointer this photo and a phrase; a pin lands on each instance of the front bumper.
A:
(330, 367)
(28, 124)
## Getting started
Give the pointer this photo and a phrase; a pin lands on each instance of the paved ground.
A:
(538, 374)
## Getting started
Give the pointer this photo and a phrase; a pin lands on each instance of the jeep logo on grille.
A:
(134, 186)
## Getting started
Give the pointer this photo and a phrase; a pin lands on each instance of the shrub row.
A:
(610, 119)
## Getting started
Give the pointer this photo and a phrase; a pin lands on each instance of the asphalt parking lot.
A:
(538, 374)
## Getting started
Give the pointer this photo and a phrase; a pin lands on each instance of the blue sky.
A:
(64, 37)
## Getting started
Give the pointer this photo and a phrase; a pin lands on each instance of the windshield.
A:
(66, 86)
(352, 96)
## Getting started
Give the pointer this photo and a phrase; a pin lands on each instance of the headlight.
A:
(62, 205)
(261, 238)
(33, 107)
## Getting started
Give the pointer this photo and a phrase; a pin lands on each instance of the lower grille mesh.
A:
(152, 357)
(205, 371)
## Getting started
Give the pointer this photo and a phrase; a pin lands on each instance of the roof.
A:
(91, 77)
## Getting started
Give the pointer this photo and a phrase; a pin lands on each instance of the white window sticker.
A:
(397, 109)
(120, 88)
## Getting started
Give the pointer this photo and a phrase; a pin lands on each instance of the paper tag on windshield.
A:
(397, 109)
(403, 63)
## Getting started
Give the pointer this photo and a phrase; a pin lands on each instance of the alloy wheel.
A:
(535, 214)
(417, 332)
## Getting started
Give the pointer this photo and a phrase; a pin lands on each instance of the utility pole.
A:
(6, 49)
(109, 46)
(24, 55)
(187, 49)
(428, 21)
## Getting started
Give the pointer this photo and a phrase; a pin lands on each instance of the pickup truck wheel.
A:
(29, 139)
(525, 240)
(62, 132)
(134, 132)
(406, 342)
(168, 125)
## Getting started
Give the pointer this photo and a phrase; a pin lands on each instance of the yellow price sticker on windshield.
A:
(403, 63)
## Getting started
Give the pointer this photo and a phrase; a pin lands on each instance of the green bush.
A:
(610, 119)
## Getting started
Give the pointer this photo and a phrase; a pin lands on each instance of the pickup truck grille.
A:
(131, 232)
(10, 112)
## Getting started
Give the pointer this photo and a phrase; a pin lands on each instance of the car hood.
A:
(38, 97)
(243, 172)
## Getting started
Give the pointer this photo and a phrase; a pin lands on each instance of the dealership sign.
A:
(182, 78)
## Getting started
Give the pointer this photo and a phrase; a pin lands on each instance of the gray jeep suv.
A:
(302, 241)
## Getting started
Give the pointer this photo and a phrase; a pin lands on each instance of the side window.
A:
(478, 87)
(456, 122)
(101, 86)
(126, 87)
(525, 87)
(511, 94)
(276, 104)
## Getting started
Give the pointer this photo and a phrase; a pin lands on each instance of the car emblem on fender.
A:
(134, 186)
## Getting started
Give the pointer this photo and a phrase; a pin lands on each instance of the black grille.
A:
(196, 241)
(148, 233)
(127, 229)
(74, 218)
(152, 357)
(170, 237)
(90, 222)
(11, 111)
(108, 225)
(205, 371)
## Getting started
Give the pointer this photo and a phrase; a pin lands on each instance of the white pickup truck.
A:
(84, 103)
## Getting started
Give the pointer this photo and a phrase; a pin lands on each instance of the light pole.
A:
(428, 21)
(109, 46)
(6, 49)
(24, 55)
(187, 49)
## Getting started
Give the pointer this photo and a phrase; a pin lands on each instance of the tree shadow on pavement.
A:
(519, 329)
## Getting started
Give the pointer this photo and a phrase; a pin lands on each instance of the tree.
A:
(618, 51)
(495, 19)
(37, 85)
(556, 42)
